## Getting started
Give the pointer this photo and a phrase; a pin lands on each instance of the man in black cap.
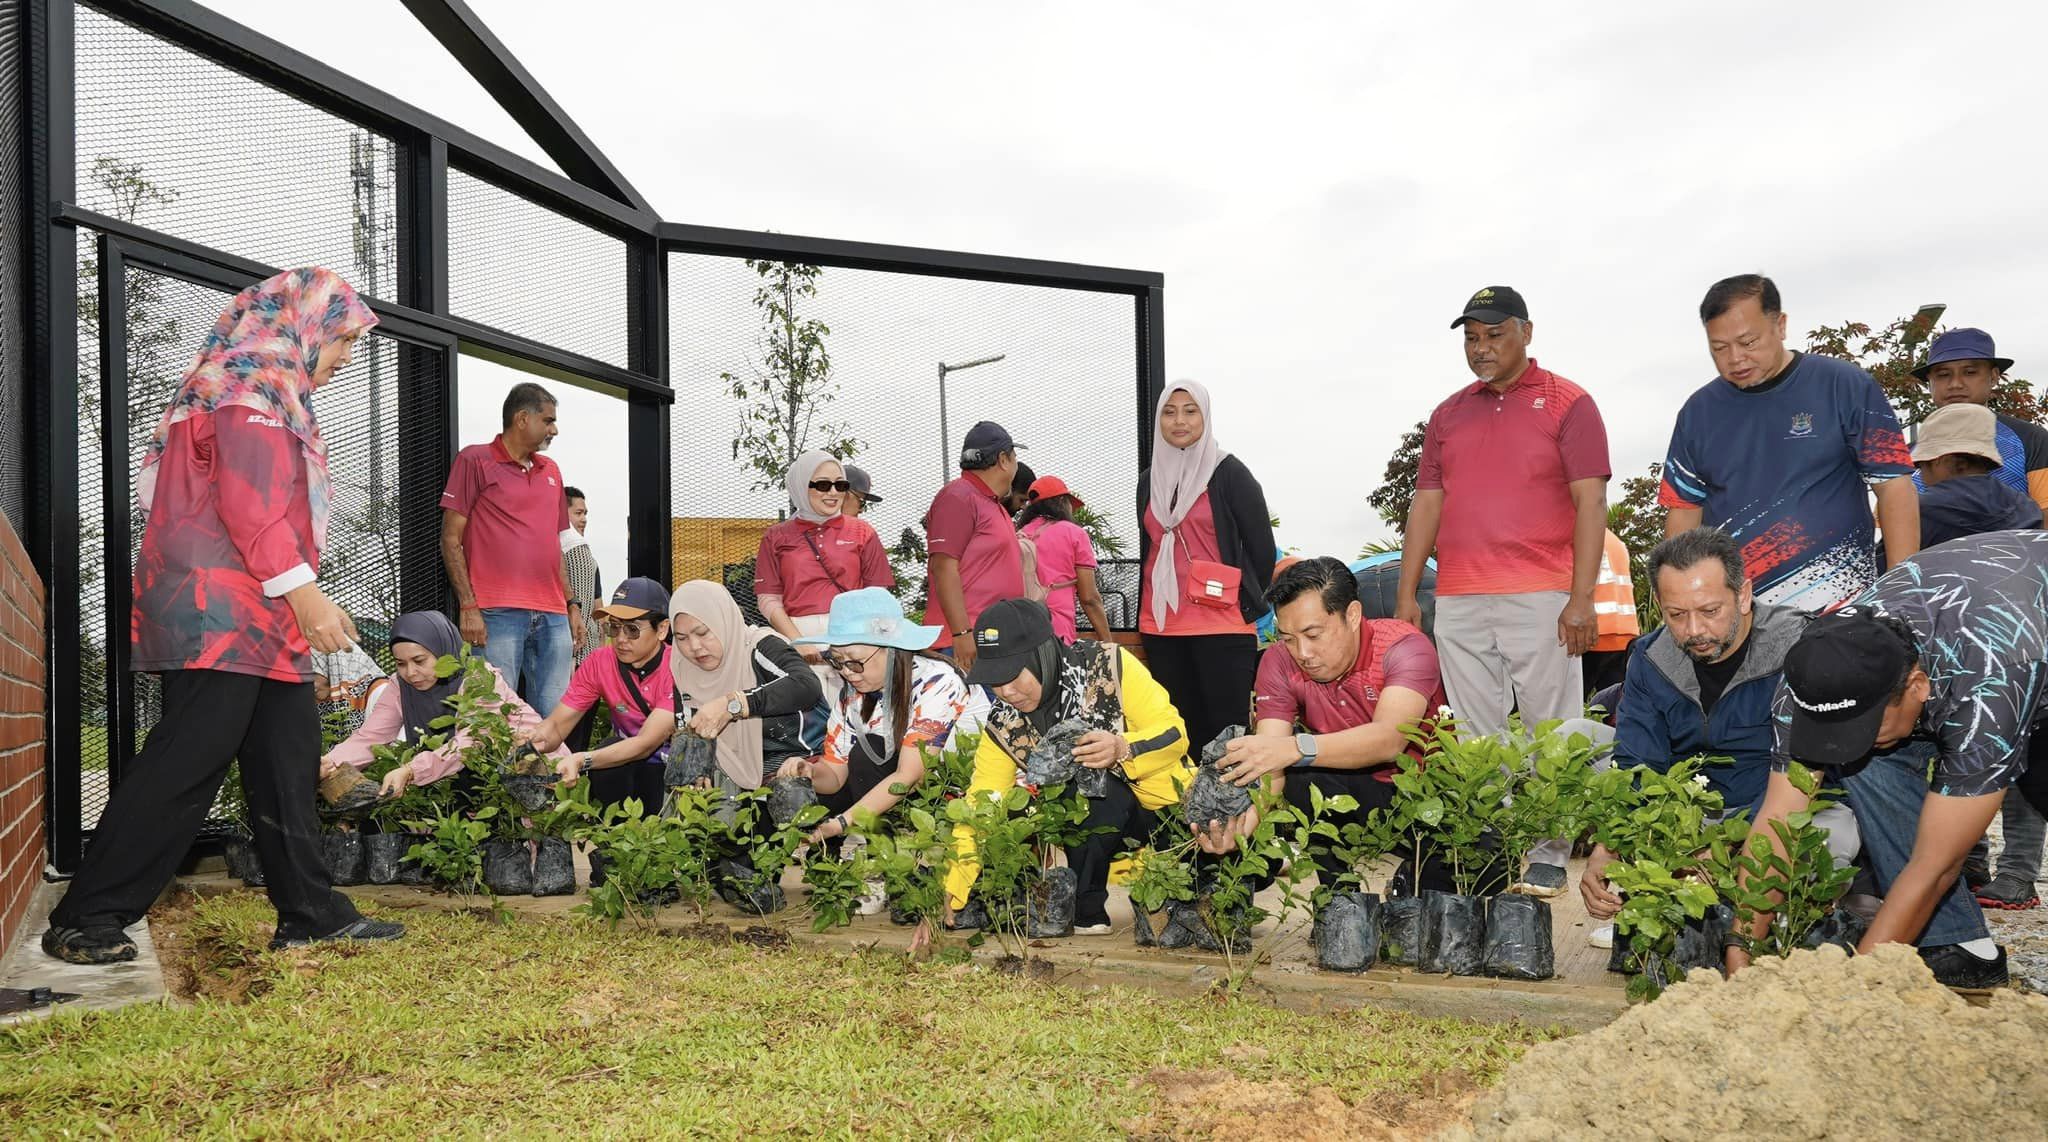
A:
(1511, 495)
(863, 490)
(975, 561)
(1943, 661)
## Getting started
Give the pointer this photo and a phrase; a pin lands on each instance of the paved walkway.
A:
(104, 988)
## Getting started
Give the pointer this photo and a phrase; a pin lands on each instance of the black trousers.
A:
(1209, 677)
(1126, 822)
(578, 739)
(211, 718)
(639, 780)
(1370, 795)
(863, 773)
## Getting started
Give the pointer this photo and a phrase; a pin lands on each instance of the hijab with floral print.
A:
(261, 355)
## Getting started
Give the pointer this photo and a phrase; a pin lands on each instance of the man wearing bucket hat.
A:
(1963, 367)
(1944, 661)
(1958, 459)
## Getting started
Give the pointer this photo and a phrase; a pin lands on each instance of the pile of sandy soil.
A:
(1818, 1045)
(1218, 1104)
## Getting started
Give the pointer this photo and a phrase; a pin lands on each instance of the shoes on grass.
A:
(363, 929)
(1954, 967)
(1544, 880)
(99, 945)
(2010, 893)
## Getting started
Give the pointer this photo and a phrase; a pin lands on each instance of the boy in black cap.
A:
(1943, 661)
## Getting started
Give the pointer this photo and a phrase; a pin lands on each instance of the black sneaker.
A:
(104, 945)
(1954, 967)
(2008, 892)
(363, 929)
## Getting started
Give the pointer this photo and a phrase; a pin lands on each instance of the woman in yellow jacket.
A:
(1039, 682)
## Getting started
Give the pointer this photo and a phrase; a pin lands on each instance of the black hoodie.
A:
(1968, 505)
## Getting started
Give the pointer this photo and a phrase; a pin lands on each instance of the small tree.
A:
(787, 390)
(1397, 486)
(1637, 519)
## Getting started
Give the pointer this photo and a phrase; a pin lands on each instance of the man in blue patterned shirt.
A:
(1943, 662)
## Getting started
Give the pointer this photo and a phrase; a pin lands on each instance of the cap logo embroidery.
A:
(1822, 707)
(1482, 295)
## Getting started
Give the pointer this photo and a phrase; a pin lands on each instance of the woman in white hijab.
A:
(816, 554)
(1207, 554)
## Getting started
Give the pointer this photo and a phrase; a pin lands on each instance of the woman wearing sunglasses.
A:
(899, 699)
(818, 553)
(631, 674)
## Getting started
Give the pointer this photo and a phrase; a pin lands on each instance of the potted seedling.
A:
(1346, 935)
(1657, 825)
(1794, 880)
(1051, 889)
(1467, 781)
(1547, 798)
(453, 852)
(1163, 890)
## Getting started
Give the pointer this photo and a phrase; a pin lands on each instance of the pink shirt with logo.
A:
(599, 679)
(518, 518)
(847, 556)
(969, 524)
(1063, 549)
(1196, 540)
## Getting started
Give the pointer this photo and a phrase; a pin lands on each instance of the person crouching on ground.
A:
(632, 675)
(1039, 682)
(418, 642)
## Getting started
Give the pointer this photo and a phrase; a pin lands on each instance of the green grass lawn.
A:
(470, 1027)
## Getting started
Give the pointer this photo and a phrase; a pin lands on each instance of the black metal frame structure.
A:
(593, 192)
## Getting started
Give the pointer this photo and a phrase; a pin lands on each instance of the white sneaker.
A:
(874, 900)
(1092, 929)
(1601, 937)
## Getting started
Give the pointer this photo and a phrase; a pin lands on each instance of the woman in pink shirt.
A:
(809, 559)
(1207, 554)
(1065, 557)
(418, 642)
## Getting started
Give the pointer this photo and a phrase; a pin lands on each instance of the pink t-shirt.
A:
(517, 519)
(1063, 548)
(1197, 541)
(969, 524)
(599, 679)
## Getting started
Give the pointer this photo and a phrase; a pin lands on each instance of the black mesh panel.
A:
(14, 413)
(524, 269)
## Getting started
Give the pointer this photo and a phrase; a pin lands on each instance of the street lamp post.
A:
(945, 437)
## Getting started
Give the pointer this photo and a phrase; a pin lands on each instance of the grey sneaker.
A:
(1544, 880)
(364, 929)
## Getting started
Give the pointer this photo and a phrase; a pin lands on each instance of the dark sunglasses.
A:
(845, 665)
(830, 486)
(631, 628)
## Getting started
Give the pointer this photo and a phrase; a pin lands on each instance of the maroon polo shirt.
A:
(517, 516)
(809, 564)
(967, 522)
(1390, 653)
(1505, 463)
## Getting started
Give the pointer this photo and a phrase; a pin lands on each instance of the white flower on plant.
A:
(1700, 779)
(1443, 711)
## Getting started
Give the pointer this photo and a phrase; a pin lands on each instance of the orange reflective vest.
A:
(1614, 598)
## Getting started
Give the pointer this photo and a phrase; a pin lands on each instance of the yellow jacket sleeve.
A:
(1159, 766)
(995, 771)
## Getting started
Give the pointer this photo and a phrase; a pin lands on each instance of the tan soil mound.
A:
(1219, 1104)
(1820, 1045)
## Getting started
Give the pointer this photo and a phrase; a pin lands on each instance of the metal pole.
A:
(945, 437)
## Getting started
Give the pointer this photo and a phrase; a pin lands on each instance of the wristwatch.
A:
(1304, 744)
(735, 705)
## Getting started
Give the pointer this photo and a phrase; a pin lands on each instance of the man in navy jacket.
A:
(1702, 684)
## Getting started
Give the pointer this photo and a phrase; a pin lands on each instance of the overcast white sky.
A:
(1322, 185)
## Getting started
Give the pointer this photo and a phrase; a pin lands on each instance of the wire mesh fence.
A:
(14, 416)
(520, 267)
(1062, 387)
(207, 154)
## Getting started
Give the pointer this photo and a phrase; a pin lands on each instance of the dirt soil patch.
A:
(1218, 1104)
(1819, 1045)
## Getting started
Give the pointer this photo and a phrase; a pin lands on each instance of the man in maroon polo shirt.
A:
(1335, 701)
(975, 560)
(504, 520)
(1511, 494)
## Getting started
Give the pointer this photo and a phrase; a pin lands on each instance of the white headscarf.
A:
(739, 744)
(798, 481)
(1179, 477)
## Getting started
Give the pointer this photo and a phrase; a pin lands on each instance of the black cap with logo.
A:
(1841, 674)
(636, 597)
(1006, 636)
(1493, 305)
(985, 444)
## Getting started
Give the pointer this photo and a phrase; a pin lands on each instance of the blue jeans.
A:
(531, 649)
(1887, 794)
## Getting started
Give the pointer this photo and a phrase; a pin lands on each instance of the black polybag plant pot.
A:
(411, 871)
(690, 759)
(533, 794)
(508, 867)
(734, 879)
(1347, 932)
(1453, 933)
(1842, 928)
(384, 853)
(243, 863)
(1702, 943)
(1049, 913)
(1518, 944)
(790, 796)
(1184, 926)
(342, 855)
(1209, 798)
(1401, 930)
(1051, 761)
(554, 868)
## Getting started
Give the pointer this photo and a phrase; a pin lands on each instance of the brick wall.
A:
(21, 732)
